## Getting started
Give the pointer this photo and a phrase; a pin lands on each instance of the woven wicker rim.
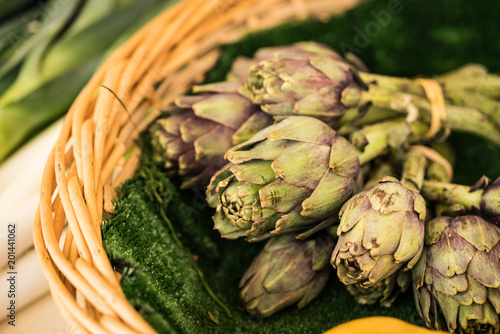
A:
(161, 61)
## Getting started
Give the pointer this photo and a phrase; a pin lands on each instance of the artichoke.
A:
(308, 79)
(381, 229)
(286, 272)
(457, 279)
(192, 143)
(384, 292)
(290, 176)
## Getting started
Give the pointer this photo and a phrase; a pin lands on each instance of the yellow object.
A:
(379, 325)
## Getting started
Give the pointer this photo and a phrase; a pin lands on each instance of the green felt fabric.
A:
(423, 38)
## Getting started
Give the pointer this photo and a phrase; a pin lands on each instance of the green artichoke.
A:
(457, 279)
(290, 176)
(287, 271)
(192, 143)
(384, 292)
(381, 229)
(308, 79)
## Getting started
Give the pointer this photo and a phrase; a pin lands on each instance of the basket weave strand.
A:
(161, 61)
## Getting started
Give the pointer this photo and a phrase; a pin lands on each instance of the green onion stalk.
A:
(45, 62)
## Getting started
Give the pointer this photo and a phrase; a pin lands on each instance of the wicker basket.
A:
(87, 163)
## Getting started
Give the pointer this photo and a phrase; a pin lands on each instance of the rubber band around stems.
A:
(434, 156)
(434, 94)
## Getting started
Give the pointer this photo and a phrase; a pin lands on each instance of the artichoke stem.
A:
(463, 119)
(472, 78)
(483, 123)
(468, 71)
(396, 84)
(436, 171)
(354, 118)
(487, 106)
(385, 98)
(488, 85)
(381, 170)
(448, 193)
(414, 170)
(374, 140)
(474, 122)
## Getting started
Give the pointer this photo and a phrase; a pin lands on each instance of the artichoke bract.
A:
(192, 143)
(308, 79)
(457, 279)
(383, 292)
(490, 202)
(287, 271)
(242, 65)
(290, 176)
(381, 230)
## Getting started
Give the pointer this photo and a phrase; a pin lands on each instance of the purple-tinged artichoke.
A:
(193, 142)
(241, 66)
(290, 176)
(287, 271)
(309, 79)
(381, 230)
(457, 279)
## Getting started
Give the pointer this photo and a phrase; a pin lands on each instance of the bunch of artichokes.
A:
(333, 164)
